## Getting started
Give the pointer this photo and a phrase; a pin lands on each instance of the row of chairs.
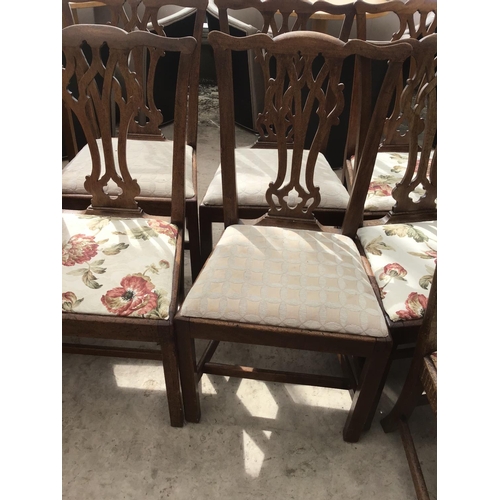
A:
(416, 18)
(357, 288)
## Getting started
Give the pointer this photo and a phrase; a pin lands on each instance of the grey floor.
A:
(255, 439)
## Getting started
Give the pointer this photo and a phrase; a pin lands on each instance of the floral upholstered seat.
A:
(403, 258)
(117, 266)
(290, 278)
(388, 171)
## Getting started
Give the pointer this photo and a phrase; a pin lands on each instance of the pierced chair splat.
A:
(392, 160)
(122, 270)
(286, 281)
(150, 155)
(273, 17)
(411, 19)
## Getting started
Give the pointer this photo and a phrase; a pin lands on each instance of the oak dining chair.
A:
(274, 17)
(150, 157)
(122, 269)
(286, 280)
(400, 249)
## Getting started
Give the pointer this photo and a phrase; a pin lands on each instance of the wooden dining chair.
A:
(400, 249)
(247, 17)
(253, 164)
(147, 156)
(392, 160)
(412, 18)
(287, 281)
(421, 378)
(122, 269)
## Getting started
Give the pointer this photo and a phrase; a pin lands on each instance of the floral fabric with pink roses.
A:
(403, 258)
(117, 266)
(389, 169)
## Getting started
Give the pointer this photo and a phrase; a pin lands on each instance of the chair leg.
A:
(189, 379)
(380, 389)
(194, 237)
(365, 397)
(393, 356)
(206, 235)
(413, 461)
(407, 400)
(171, 371)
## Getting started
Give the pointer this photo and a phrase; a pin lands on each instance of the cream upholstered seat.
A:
(146, 161)
(403, 258)
(287, 277)
(256, 168)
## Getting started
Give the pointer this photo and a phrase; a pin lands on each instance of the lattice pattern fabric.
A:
(256, 168)
(290, 278)
(117, 266)
(403, 258)
(150, 162)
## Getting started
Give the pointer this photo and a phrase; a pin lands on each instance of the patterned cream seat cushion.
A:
(287, 278)
(117, 266)
(389, 169)
(256, 168)
(403, 258)
(150, 162)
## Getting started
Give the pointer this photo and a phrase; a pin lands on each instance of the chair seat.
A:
(150, 162)
(117, 266)
(256, 168)
(403, 258)
(388, 171)
(289, 278)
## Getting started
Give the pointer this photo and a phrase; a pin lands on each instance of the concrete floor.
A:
(255, 439)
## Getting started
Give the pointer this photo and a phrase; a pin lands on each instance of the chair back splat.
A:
(99, 89)
(122, 273)
(282, 16)
(168, 19)
(274, 17)
(415, 18)
(416, 192)
(282, 281)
